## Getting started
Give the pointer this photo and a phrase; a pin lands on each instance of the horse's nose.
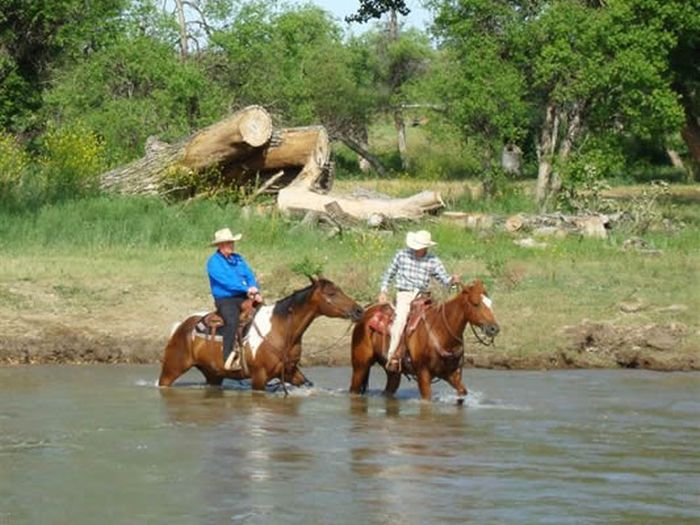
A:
(492, 330)
(357, 312)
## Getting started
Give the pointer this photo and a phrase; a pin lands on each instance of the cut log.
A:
(302, 153)
(298, 196)
(236, 137)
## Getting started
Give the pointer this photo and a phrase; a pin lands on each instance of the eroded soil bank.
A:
(587, 345)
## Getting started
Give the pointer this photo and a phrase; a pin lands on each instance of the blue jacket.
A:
(229, 277)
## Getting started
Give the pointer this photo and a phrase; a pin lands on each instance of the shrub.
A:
(71, 162)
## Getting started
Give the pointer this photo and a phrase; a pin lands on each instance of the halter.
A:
(460, 338)
(283, 352)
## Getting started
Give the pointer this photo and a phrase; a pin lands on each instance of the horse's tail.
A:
(177, 357)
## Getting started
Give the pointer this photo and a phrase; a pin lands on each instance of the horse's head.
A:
(478, 307)
(332, 301)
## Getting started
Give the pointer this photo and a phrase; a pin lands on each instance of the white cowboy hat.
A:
(225, 235)
(419, 240)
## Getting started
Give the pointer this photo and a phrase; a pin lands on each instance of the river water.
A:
(102, 444)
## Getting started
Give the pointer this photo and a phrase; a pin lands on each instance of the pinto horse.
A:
(273, 347)
(435, 347)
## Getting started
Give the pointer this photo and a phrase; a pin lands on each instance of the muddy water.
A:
(101, 444)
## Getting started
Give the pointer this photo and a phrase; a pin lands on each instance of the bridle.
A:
(460, 338)
(283, 352)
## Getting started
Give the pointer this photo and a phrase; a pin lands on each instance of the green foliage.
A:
(610, 62)
(376, 8)
(644, 212)
(143, 90)
(71, 162)
(14, 166)
(294, 63)
(39, 36)
(308, 267)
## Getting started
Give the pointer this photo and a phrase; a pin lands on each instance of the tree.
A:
(295, 63)
(38, 36)
(583, 68)
(135, 88)
(399, 56)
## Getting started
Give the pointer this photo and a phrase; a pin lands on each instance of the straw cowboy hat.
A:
(419, 240)
(225, 235)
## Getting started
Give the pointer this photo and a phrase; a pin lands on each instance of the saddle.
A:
(210, 326)
(383, 318)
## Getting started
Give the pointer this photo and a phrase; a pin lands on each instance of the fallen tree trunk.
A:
(233, 138)
(302, 153)
(299, 197)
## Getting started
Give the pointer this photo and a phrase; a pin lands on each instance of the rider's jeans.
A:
(229, 309)
(403, 308)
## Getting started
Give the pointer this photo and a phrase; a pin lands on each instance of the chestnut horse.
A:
(435, 347)
(273, 346)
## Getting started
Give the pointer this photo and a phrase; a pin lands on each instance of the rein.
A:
(335, 342)
(490, 343)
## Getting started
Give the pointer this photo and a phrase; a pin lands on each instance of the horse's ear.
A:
(313, 279)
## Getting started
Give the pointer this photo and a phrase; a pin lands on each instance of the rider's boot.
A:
(231, 363)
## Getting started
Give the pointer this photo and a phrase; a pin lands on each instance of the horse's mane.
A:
(285, 306)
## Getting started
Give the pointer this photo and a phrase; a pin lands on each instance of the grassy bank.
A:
(119, 272)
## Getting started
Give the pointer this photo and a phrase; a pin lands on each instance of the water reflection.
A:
(214, 406)
(617, 446)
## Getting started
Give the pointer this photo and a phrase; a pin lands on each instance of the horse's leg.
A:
(176, 361)
(455, 379)
(360, 378)
(424, 386)
(258, 378)
(212, 378)
(361, 354)
(393, 380)
(299, 379)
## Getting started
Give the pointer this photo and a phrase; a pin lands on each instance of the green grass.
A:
(113, 258)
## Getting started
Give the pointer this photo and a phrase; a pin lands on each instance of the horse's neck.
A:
(453, 314)
(298, 321)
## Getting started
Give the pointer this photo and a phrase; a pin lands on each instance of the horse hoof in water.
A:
(460, 401)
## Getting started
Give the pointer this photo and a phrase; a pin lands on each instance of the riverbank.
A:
(104, 281)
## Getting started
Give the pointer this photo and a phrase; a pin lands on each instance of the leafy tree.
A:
(376, 9)
(296, 64)
(576, 68)
(401, 55)
(39, 35)
(135, 88)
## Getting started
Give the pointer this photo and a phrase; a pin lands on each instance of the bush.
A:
(71, 162)
(14, 163)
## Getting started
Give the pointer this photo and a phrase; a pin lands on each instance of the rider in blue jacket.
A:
(232, 282)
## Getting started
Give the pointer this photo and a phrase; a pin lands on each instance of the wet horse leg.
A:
(455, 379)
(360, 378)
(363, 358)
(393, 380)
(212, 378)
(299, 379)
(424, 386)
(258, 378)
(175, 363)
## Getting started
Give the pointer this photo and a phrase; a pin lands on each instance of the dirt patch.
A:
(605, 345)
(327, 343)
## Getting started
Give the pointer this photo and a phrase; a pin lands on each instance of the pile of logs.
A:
(542, 225)
(245, 149)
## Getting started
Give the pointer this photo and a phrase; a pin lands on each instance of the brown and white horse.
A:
(435, 347)
(273, 346)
